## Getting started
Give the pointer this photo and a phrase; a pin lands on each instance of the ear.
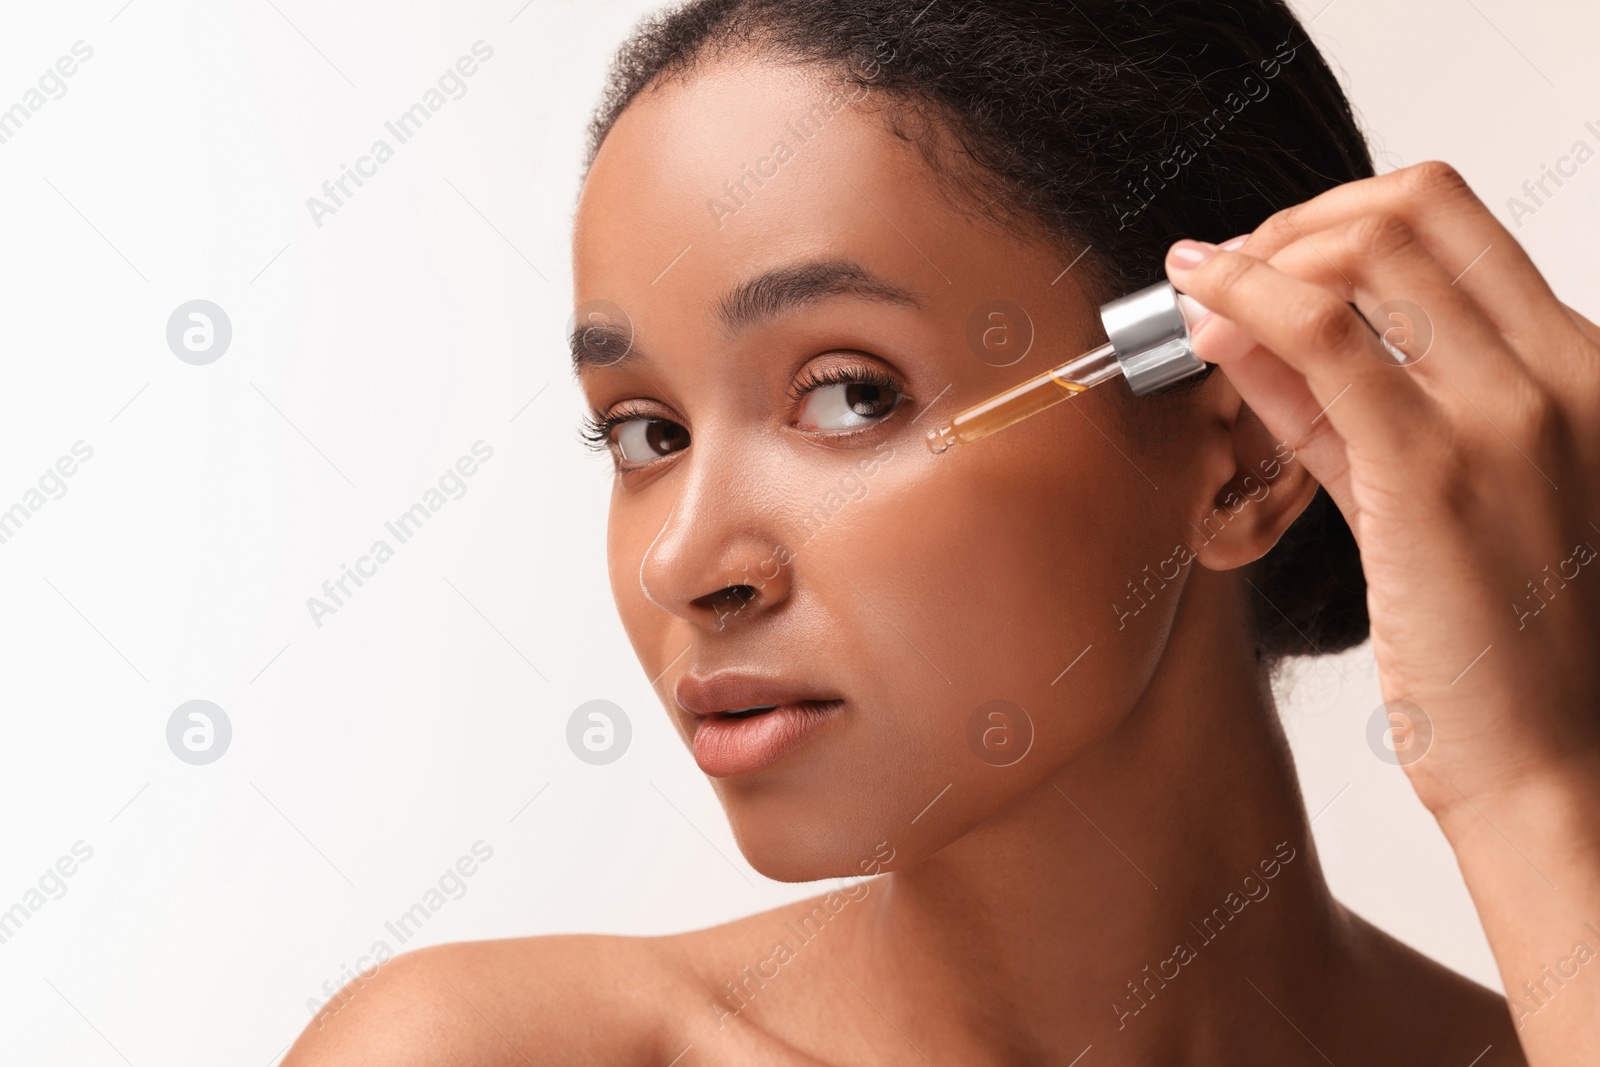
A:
(1265, 491)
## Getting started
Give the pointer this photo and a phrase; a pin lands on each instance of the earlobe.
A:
(1267, 491)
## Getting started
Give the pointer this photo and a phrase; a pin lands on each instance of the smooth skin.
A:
(1028, 912)
(1469, 477)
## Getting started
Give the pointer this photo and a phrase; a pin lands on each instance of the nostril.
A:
(729, 599)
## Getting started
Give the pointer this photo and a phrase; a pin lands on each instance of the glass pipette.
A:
(1149, 346)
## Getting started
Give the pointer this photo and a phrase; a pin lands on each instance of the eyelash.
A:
(834, 374)
(596, 430)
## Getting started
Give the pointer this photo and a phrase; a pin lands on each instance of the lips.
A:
(746, 722)
(730, 691)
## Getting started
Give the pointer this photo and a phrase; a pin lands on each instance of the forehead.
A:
(745, 165)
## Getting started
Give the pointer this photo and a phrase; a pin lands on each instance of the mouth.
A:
(745, 740)
(743, 722)
(744, 713)
(797, 706)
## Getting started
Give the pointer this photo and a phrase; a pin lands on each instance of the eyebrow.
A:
(786, 288)
(751, 302)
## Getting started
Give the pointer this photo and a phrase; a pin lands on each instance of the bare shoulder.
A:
(1427, 1012)
(568, 999)
(538, 1000)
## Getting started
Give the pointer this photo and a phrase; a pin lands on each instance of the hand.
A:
(1465, 454)
(1466, 458)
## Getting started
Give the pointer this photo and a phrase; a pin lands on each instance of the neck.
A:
(1134, 898)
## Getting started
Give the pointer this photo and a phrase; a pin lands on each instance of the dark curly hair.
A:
(1107, 127)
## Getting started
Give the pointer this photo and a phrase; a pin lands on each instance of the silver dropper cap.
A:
(1148, 332)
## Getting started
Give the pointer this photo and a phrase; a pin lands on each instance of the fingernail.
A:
(1187, 254)
(1234, 242)
(1194, 313)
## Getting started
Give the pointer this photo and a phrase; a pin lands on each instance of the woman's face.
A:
(799, 295)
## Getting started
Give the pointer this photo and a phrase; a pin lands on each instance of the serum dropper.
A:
(1148, 345)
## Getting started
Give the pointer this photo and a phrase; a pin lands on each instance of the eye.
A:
(640, 441)
(634, 440)
(838, 398)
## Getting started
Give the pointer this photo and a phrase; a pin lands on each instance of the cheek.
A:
(981, 576)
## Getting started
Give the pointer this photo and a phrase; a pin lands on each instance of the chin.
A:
(806, 843)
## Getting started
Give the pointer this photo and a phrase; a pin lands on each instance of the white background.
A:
(368, 354)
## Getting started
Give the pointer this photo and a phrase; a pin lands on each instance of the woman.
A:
(1027, 681)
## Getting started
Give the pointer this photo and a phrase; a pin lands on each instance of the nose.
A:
(719, 559)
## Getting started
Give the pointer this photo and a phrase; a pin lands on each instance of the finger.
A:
(1379, 262)
(1286, 406)
(1463, 234)
(1313, 331)
(1590, 330)
(1283, 402)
